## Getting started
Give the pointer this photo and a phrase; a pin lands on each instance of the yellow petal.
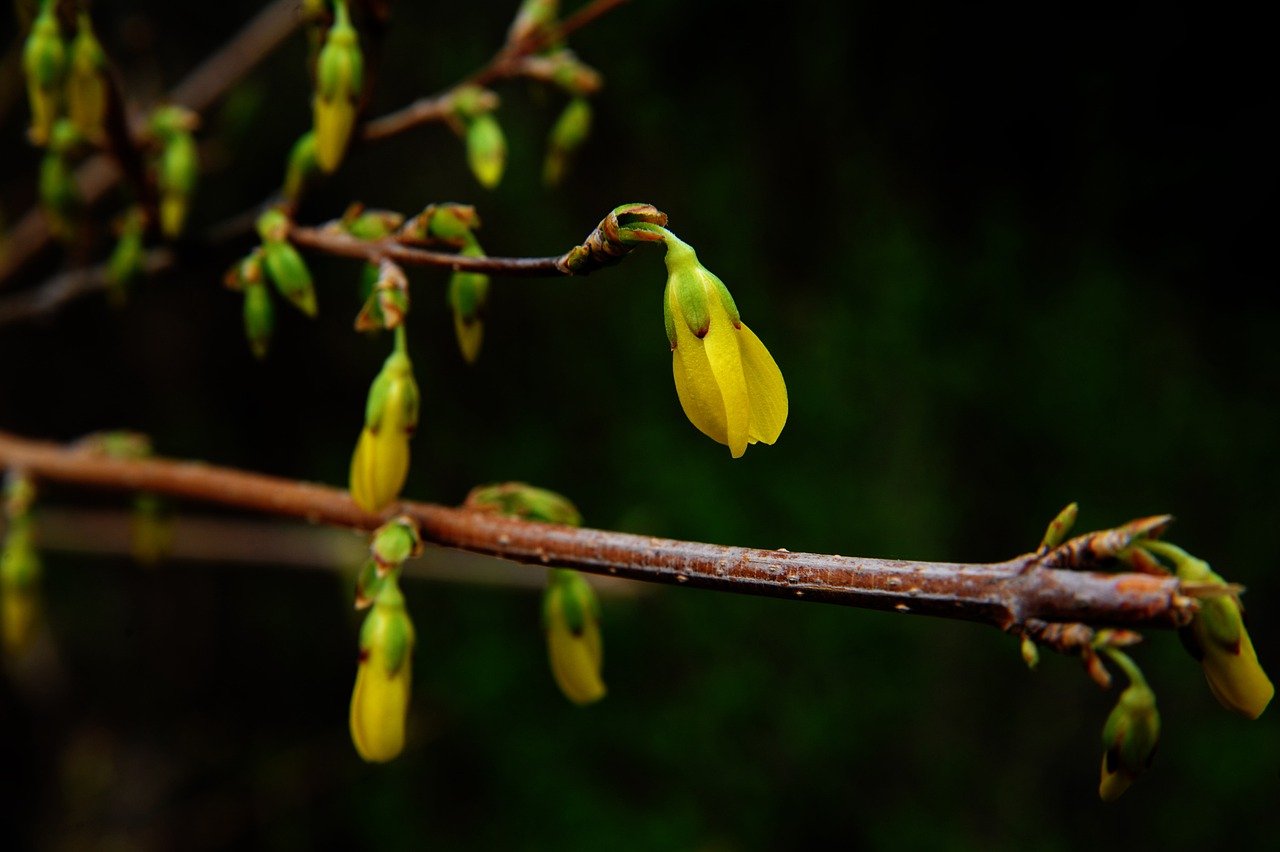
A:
(575, 661)
(1237, 680)
(1112, 784)
(361, 490)
(379, 706)
(725, 357)
(696, 383)
(470, 334)
(765, 386)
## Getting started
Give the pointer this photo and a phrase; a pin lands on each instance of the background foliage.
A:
(1005, 260)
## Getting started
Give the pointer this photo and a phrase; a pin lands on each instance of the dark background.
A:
(1005, 259)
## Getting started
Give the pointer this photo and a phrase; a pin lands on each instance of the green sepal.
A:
(668, 318)
(340, 66)
(1222, 621)
(388, 625)
(368, 584)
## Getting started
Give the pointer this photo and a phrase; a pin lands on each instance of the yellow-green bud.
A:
(567, 135)
(86, 83)
(1130, 735)
(339, 77)
(176, 172)
(486, 150)
(370, 224)
(44, 61)
(447, 223)
(1060, 526)
(59, 193)
(518, 500)
(394, 542)
(384, 677)
(284, 265)
(571, 619)
(300, 166)
(125, 263)
(729, 385)
(535, 17)
(468, 297)
(381, 459)
(259, 318)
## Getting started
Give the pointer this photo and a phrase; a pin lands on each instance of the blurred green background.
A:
(1005, 260)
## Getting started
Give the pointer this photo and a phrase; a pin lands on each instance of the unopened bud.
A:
(384, 677)
(534, 18)
(571, 618)
(339, 78)
(125, 263)
(394, 542)
(450, 223)
(518, 500)
(468, 297)
(388, 300)
(1060, 526)
(286, 268)
(59, 193)
(44, 61)
(381, 459)
(177, 166)
(486, 150)
(568, 134)
(259, 318)
(1130, 735)
(86, 82)
(370, 224)
(300, 166)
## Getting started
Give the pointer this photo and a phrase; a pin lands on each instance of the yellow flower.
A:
(381, 460)
(728, 383)
(339, 77)
(384, 678)
(571, 617)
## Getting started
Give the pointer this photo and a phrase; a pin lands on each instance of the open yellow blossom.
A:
(728, 383)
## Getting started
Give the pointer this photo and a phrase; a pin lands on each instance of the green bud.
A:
(339, 78)
(448, 223)
(370, 224)
(572, 75)
(1060, 526)
(388, 298)
(394, 542)
(368, 584)
(86, 83)
(176, 173)
(125, 263)
(288, 271)
(534, 17)
(518, 500)
(44, 61)
(567, 135)
(486, 150)
(470, 102)
(388, 626)
(468, 296)
(273, 226)
(300, 166)
(1130, 735)
(59, 192)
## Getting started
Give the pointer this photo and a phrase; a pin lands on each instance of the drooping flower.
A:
(728, 383)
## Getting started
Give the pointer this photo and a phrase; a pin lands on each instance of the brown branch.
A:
(71, 285)
(1006, 594)
(198, 91)
(341, 244)
(507, 63)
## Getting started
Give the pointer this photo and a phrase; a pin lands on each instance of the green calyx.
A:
(394, 381)
(527, 502)
(394, 542)
(690, 286)
(387, 630)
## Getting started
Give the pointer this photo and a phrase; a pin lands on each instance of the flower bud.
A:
(300, 166)
(394, 542)
(449, 223)
(339, 78)
(286, 268)
(259, 318)
(176, 167)
(388, 300)
(384, 676)
(381, 460)
(1217, 637)
(1060, 526)
(486, 150)
(125, 264)
(1130, 735)
(44, 61)
(59, 193)
(468, 297)
(534, 17)
(571, 619)
(728, 384)
(86, 82)
(518, 500)
(568, 134)
(370, 224)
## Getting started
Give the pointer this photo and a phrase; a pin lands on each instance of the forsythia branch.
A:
(1010, 595)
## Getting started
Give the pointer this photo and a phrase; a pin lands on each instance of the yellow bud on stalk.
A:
(381, 460)
(44, 61)
(339, 78)
(571, 618)
(468, 298)
(728, 384)
(384, 677)
(86, 83)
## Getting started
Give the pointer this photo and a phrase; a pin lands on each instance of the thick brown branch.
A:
(1005, 594)
(197, 91)
(341, 244)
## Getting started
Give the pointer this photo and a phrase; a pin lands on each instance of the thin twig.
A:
(1005, 594)
(341, 244)
(198, 91)
(507, 63)
(71, 285)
